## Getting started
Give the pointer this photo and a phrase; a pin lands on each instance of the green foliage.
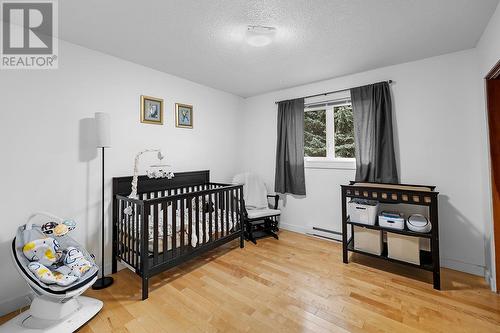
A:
(315, 133)
(344, 131)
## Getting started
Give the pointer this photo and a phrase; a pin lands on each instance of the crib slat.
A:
(122, 237)
(197, 218)
(182, 225)
(231, 210)
(240, 208)
(155, 235)
(127, 241)
(164, 206)
(231, 207)
(216, 206)
(204, 218)
(138, 235)
(235, 207)
(210, 218)
(131, 236)
(190, 222)
(221, 197)
(174, 225)
(146, 223)
(226, 193)
(119, 222)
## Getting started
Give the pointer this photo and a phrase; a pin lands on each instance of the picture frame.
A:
(151, 110)
(183, 115)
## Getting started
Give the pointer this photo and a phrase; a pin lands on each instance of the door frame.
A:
(494, 136)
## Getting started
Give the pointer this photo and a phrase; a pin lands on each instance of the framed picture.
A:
(151, 110)
(183, 115)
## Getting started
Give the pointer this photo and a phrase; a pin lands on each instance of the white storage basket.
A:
(368, 240)
(404, 248)
(363, 211)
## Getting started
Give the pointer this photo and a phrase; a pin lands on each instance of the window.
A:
(329, 135)
(343, 131)
(315, 133)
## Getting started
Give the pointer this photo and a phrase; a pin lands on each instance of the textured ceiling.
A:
(202, 40)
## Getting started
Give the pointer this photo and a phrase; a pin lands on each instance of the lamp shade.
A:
(103, 130)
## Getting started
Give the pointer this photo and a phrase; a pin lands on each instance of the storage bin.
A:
(404, 248)
(425, 244)
(418, 223)
(368, 240)
(363, 211)
(391, 220)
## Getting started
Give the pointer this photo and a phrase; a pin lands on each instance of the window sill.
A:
(323, 163)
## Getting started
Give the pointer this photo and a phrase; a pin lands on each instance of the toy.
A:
(48, 228)
(61, 230)
(58, 229)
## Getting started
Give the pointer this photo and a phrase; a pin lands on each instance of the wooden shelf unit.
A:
(420, 195)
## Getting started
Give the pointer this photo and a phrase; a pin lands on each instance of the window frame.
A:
(330, 161)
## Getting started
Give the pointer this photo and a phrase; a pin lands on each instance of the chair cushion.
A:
(254, 190)
(258, 213)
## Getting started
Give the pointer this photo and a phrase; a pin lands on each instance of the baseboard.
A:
(490, 280)
(292, 227)
(463, 267)
(325, 234)
(14, 304)
(309, 232)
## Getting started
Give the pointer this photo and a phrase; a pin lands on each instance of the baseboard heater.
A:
(325, 233)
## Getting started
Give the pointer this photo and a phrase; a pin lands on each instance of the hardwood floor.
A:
(296, 284)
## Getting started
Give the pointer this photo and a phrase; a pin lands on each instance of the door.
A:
(493, 100)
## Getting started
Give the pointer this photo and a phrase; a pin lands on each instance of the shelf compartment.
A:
(422, 195)
(405, 231)
(425, 257)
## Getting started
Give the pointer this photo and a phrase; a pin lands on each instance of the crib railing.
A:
(164, 228)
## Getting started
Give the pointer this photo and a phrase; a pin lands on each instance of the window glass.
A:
(343, 131)
(315, 133)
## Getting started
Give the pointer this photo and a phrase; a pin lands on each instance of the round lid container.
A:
(418, 223)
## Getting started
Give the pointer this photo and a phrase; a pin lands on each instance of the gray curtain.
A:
(375, 158)
(290, 148)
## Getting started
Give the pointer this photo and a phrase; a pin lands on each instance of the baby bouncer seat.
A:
(54, 308)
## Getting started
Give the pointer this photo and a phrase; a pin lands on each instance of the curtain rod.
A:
(328, 93)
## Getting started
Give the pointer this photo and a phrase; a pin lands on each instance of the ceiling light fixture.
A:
(259, 35)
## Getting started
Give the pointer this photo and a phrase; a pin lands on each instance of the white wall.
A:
(438, 129)
(488, 50)
(47, 164)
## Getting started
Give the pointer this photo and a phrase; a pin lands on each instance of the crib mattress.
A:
(221, 223)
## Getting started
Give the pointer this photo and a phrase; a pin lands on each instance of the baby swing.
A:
(56, 307)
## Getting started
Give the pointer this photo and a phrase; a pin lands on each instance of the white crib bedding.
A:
(222, 223)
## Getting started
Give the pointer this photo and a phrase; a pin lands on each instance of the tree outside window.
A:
(329, 132)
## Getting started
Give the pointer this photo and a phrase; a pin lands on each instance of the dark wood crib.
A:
(172, 221)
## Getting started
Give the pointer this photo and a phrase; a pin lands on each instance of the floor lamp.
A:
(103, 136)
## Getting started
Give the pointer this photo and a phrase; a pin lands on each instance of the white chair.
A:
(54, 308)
(260, 218)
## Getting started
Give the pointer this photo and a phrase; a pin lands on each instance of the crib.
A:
(172, 221)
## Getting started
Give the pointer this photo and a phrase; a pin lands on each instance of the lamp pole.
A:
(103, 141)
